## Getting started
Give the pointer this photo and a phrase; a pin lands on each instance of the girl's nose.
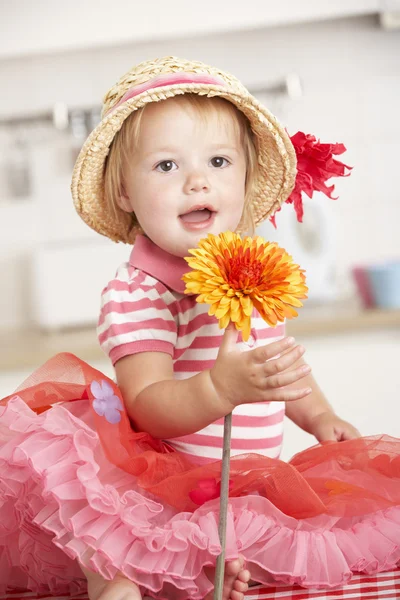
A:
(196, 182)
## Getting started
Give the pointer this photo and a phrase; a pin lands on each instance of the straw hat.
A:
(156, 80)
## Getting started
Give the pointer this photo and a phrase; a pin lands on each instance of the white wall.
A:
(96, 23)
(350, 71)
(358, 374)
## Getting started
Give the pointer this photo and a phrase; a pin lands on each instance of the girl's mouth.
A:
(198, 218)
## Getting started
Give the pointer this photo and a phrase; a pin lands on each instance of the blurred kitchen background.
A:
(327, 67)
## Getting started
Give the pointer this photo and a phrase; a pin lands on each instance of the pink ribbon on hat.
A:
(170, 79)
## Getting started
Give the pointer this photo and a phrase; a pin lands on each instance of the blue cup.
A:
(384, 283)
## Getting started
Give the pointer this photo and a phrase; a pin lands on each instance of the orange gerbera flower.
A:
(234, 276)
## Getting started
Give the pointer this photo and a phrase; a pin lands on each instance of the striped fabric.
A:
(382, 586)
(144, 309)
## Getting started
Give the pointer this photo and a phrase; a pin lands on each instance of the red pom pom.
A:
(315, 165)
(207, 489)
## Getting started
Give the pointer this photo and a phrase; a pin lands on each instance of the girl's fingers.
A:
(288, 377)
(229, 339)
(283, 362)
(287, 394)
(264, 353)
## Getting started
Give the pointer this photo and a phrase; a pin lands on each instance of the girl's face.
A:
(186, 177)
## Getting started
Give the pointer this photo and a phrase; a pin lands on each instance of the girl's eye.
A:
(166, 165)
(219, 161)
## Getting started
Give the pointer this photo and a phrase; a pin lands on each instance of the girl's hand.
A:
(327, 427)
(258, 375)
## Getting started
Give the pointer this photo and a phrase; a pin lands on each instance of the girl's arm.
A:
(304, 411)
(315, 415)
(166, 407)
(161, 405)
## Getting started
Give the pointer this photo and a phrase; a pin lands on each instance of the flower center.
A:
(243, 274)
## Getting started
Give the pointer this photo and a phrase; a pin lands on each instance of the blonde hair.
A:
(128, 136)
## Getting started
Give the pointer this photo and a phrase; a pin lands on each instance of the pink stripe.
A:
(119, 285)
(237, 444)
(207, 342)
(140, 346)
(187, 303)
(166, 80)
(128, 307)
(252, 421)
(129, 288)
(205, 319)
(193, 366)
(247, 421)
(196, 324)
(132, 287)
(203, 343)
(212, 342)
(161, 288)
(270, 332)
(123, 328)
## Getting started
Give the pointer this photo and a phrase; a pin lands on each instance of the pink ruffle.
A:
(60, 500)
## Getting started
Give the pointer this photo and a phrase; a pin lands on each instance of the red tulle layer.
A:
(78, 484)
(184, 485)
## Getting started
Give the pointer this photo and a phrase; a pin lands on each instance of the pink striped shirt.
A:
(144, 309)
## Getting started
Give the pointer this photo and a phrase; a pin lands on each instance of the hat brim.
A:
(276, 160)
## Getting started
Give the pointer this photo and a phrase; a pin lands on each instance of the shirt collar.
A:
(158, 263)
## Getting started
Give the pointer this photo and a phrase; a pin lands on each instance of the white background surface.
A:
(94, 23)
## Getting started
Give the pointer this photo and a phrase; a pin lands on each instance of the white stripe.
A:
(185, 375)
(258, 409)
(200, 354)
(123, 272)
(216, 453)
(208, 330)
(135, 294)
(119, 296)
(194, 450)
(243, 433)
(137, 316)
(211, 353)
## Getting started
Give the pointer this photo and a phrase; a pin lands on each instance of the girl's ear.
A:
(123, 200)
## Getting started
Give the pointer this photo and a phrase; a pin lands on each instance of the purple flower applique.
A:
(106, 403)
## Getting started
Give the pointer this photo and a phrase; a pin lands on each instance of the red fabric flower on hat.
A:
(315, 165)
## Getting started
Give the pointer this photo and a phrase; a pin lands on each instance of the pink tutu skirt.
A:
(78, 485)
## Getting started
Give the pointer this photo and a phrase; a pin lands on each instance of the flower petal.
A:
(112, 415)
(96, 389)
(106, 389)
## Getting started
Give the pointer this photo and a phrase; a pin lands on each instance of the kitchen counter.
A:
(32, 347)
